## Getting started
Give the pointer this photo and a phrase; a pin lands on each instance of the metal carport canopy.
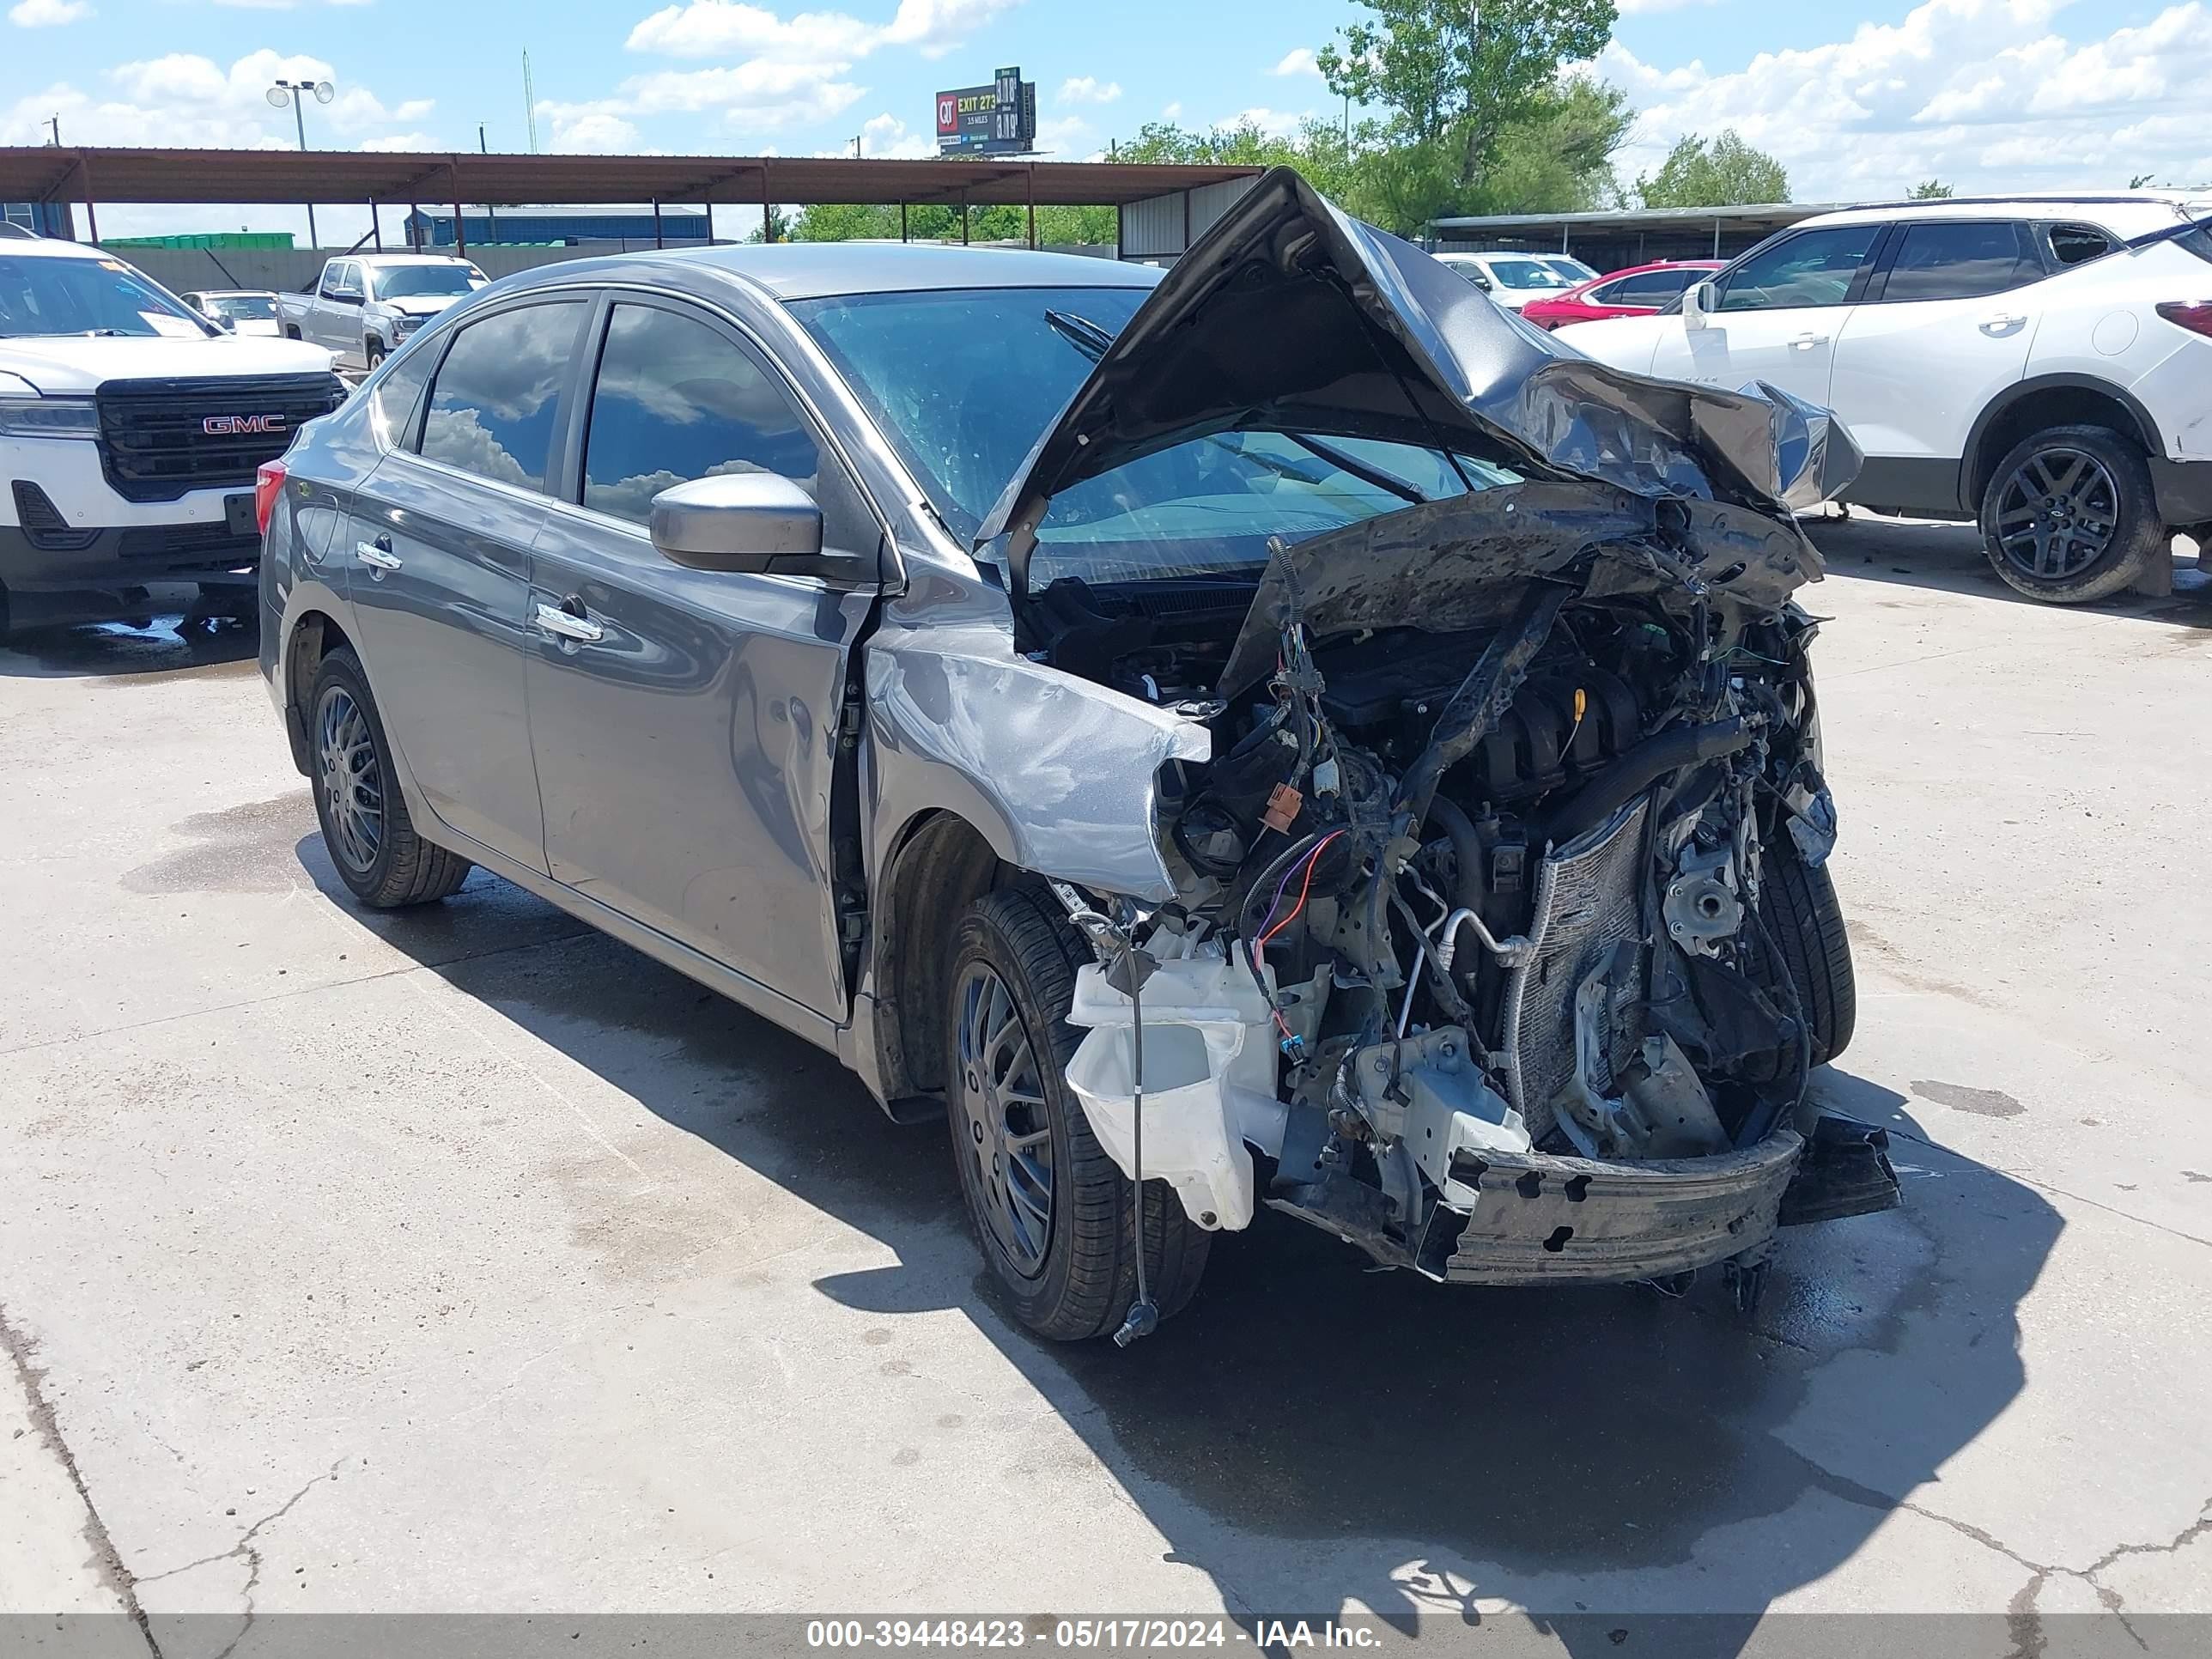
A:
(81, 174)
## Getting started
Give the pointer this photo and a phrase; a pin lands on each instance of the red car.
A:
(1636, 292)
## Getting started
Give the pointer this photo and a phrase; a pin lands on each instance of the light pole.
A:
(296, 94)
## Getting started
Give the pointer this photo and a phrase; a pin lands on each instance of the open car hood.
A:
(1289, 316)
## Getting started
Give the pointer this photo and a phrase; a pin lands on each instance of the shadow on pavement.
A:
(166, 640)
(1949, 557)
(1427, 1446)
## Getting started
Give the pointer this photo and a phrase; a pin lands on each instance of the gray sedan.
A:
(1287, 732)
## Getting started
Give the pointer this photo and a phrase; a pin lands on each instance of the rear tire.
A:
(366, 829)
(1071, 1273)
(1798, 904)
(2070, 516)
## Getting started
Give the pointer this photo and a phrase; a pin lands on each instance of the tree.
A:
(1454, 74)
(1696, 174)
(1557, 157)
(1930, 190)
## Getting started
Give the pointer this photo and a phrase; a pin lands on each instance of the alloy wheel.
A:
(1005, 1127)
(352, 779)
(2058, 514)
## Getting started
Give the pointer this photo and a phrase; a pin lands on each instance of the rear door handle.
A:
(563, 625)
(377, 556)
(1807, 342)
(2003, 319)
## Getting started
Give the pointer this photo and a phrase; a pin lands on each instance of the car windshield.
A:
(418, 281)
(1573, 270)
(241, 307)
(1527, 273)
(46, 295)
(965, 381)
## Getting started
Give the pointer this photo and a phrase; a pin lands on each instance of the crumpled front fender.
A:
(1057, 773)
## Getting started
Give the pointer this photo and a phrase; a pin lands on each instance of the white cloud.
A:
(186, 99)
(885, 135)
(1087, 89)
(1066, 136)
(596, 127)
(399, 141)
(1987, 94)
(1275, 122)
(47, 14)
(1299, 60)
(762, 93)
(1172, 113)
(715, 29)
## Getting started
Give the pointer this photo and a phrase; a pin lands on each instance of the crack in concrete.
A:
(2022, 1617)
(247, 1550)
(33, 1381)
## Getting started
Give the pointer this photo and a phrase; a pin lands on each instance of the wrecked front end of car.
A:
(1499, 931)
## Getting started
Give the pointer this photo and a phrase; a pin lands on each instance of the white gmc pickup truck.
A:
(130, 428)
(363, 306)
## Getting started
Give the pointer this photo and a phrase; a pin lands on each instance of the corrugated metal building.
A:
(1610, 240)
(527, 227)
(1156, 229)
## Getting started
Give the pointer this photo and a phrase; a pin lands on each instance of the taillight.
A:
(2195, 315)
(268, 483)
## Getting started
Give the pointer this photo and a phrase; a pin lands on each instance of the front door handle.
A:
(378, 557)
(565, 625)
(1807, 342)
(2003, 319)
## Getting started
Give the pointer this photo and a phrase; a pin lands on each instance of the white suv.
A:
(131, 429)
(1512, 280)
(2043, 364)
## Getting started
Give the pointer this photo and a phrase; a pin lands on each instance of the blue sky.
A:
(1858, 98)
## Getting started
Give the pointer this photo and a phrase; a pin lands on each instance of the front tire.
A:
(2070, 516)
(1053, 1214)
(373, 355)
(1797, 901)
(366, 829)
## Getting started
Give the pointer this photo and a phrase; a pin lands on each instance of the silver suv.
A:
(1282, 733)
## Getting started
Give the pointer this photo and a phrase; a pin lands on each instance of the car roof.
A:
(233, 293)
(52, 248)
(2134, 212)
(810, 270)
(406, 258)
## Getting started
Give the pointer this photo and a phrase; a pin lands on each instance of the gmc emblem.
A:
(229, 426)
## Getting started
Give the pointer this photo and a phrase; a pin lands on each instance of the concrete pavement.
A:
(468, 1260)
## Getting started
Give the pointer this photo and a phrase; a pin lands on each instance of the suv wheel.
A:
(378, 856)
(2068, 515)
(373, 354)
(1054, 1215)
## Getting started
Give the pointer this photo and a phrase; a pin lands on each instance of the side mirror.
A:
(757, 523)
(1478, 279)
(1700, 301)
(227, 324)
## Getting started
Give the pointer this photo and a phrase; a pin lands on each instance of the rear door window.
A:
(1956, 259)
(496, 400)
(1812, 268)
(2075, 245)
(1651, 287)
(678, 399)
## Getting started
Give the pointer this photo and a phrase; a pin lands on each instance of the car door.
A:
(441, 531)
(335, 317)
(688, 724)
(1781, 308)
(1946, 325)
